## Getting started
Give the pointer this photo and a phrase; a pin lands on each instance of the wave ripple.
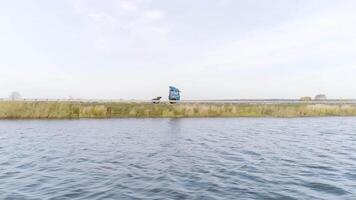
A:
(243, 158)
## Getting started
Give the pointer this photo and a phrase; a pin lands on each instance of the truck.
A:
(174, 94)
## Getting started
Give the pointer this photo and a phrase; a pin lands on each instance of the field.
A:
(76, 110)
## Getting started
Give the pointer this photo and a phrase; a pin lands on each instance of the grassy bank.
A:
(75, 110)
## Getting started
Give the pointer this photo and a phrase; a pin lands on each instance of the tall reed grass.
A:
(75, 110)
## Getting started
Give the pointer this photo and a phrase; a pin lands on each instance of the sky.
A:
(209, 49)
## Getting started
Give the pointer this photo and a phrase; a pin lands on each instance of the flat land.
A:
(76, 110)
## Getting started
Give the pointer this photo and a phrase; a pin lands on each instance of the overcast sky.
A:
(210, 49)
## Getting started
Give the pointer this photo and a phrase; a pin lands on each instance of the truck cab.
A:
(174, 94)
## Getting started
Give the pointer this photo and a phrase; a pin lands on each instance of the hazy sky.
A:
(210, 49)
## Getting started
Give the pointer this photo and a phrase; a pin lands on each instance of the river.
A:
(205, 158)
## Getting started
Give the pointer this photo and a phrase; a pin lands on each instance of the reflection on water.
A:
(243, 158)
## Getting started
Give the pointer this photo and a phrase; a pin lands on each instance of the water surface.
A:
(213, 158)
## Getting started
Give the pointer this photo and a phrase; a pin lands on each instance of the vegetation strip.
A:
(76, 110)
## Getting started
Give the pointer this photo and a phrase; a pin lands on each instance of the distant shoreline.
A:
(79, 110)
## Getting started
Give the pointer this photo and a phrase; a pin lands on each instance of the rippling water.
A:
(243, 158)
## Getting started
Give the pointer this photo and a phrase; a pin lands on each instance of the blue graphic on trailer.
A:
(174, 93)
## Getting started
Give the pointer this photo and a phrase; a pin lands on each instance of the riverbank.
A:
(76, 110)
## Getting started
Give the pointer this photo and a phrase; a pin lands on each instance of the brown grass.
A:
(75, 110)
